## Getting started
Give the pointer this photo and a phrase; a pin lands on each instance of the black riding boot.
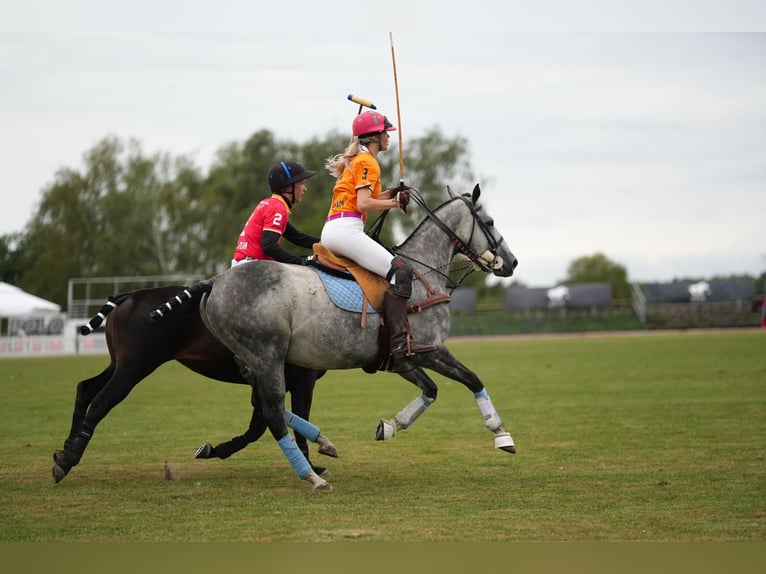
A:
(395, 317)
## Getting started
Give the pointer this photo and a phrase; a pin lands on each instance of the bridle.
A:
(486, 261)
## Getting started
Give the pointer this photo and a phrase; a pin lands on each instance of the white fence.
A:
(85, 296)
(70, 342)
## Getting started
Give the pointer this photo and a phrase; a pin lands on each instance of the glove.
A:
(403, 198)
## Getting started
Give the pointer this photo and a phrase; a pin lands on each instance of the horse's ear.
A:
(449, 192)
(476, 193)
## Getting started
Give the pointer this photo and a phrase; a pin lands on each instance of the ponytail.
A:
(336, 164)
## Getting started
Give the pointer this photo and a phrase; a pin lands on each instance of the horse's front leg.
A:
(107, 395)
(300, 383)
(302, 427)
(445, 363)
(404, 418)
(86, 391)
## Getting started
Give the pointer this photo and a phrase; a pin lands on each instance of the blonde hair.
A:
(337, 163)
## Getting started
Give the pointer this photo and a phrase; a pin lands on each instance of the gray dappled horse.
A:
(270, 313)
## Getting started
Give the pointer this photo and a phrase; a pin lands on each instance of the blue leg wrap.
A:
(302, 426)
(299, 463)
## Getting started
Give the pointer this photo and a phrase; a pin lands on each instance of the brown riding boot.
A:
(395, 318)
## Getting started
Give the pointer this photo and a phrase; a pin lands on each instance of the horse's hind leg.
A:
(270, 379)
(445, 363)
(404, 418)
(300, 383)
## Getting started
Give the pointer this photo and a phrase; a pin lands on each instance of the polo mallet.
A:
(398, 113)
(362, 104)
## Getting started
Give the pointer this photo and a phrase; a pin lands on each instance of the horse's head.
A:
(484, 245)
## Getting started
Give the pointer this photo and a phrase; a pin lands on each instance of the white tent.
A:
(15, 302)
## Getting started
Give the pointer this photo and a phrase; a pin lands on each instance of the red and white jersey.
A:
(270, 214)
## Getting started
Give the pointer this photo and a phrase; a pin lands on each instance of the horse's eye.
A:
(490, 222)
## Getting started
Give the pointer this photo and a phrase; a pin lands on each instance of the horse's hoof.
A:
(504, 441)
(58, 457)
(328, 450)
(386, 430)
(205, 451)
(326, 487)
(58, 473)
(321, 471)
(318, 482)
(326, 447)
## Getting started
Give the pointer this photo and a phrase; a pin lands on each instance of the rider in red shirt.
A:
(260, 240)
(269, 221)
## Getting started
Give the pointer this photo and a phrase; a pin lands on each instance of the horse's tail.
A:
(100, 317)
(177, 300)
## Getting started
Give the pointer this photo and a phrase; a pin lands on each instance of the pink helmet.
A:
(368, 123)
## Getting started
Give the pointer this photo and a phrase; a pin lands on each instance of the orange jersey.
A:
(364, 172)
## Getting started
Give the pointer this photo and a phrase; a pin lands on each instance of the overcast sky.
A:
(635, 129)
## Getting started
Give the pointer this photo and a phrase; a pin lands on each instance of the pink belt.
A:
(344, 214)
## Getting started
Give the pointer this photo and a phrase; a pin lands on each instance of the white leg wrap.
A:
(412, 411)
(487, 409)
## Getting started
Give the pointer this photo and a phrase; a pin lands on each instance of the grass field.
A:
(619, 438)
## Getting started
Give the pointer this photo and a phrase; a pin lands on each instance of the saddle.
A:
(367, 291)
(373, 286)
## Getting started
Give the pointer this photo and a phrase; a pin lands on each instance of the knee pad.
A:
(401, 272)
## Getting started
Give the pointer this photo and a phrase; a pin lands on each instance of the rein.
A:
(483, 262)
(486, 261)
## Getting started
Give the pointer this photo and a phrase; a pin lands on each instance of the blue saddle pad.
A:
(345, 293)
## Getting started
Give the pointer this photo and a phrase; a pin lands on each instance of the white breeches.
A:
(346, 237)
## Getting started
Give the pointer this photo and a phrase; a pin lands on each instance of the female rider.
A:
(357, 192)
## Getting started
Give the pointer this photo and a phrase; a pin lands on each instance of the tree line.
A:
(129, 213)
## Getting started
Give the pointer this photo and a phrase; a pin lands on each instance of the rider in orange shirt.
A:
(358, 191)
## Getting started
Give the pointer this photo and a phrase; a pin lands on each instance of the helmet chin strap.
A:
(378, 139)
(291, 191)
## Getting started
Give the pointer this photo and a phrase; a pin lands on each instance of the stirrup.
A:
(411, 348)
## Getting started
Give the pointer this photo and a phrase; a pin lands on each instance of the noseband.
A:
(486, 261)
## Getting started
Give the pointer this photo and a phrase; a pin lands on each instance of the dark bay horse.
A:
(269, 313)
(137, 346)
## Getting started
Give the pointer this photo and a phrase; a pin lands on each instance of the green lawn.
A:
(624, 438)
